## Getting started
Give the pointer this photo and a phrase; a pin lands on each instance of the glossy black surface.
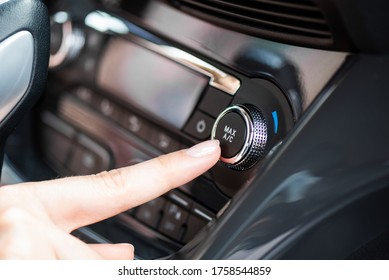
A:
(334, 157)
(301, 73)
(344, 25)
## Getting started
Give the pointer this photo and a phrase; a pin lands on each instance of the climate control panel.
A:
(119, 95)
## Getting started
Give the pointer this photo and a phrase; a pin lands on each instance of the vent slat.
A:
(273, 4)
(259, 11)
(283, 17)
(302, 5)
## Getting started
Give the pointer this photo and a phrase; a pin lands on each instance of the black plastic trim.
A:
(336, 155)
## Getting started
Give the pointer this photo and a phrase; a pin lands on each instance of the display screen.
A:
(150, 81)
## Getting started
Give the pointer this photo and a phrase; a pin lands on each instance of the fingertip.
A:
(119, 251)
(129, 247)
(204, 149)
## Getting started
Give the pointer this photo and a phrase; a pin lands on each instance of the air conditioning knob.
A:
(243, 134)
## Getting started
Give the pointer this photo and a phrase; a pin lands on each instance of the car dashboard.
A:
(132, 80)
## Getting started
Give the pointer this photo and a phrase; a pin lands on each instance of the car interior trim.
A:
(313, 67)
(249, 132)
(16, 56)
(218, 78)
(129, 81)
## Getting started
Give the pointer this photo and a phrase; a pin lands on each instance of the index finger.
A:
(79, 201)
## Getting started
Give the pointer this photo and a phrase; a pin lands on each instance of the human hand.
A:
(36, 218)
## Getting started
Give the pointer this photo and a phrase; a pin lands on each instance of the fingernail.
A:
(203, 149)
(127, 245)
(132, 248)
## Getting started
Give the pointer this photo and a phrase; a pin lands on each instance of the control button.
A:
(202, 212)
(58, 124)
(242, 132)
(106, 107)
(193, 226)
(57, 139)
(214, 101)
(206, 192)
(232, 133)
(200, 126)
(83, 162)
(199, 217)
(85, 94)
(55, 145)
(180, 199)
(151, 212)
(163, 141)
(173, 220)
(88, 157)
(135, 124)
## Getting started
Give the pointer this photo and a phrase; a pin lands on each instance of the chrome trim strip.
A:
(179, 200)
(106, 23)
(16, 61)
(249, 133)
(202, 214)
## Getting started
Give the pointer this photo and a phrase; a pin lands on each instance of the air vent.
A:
(300, 21)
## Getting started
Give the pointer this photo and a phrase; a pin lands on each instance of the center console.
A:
(123, 89)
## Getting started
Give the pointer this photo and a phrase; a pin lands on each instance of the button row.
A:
(69, 151)
(199, 125)
(175, 215)
(211, 105)
(128, 120)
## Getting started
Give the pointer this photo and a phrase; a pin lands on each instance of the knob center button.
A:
(231, 132)
(242, 132)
